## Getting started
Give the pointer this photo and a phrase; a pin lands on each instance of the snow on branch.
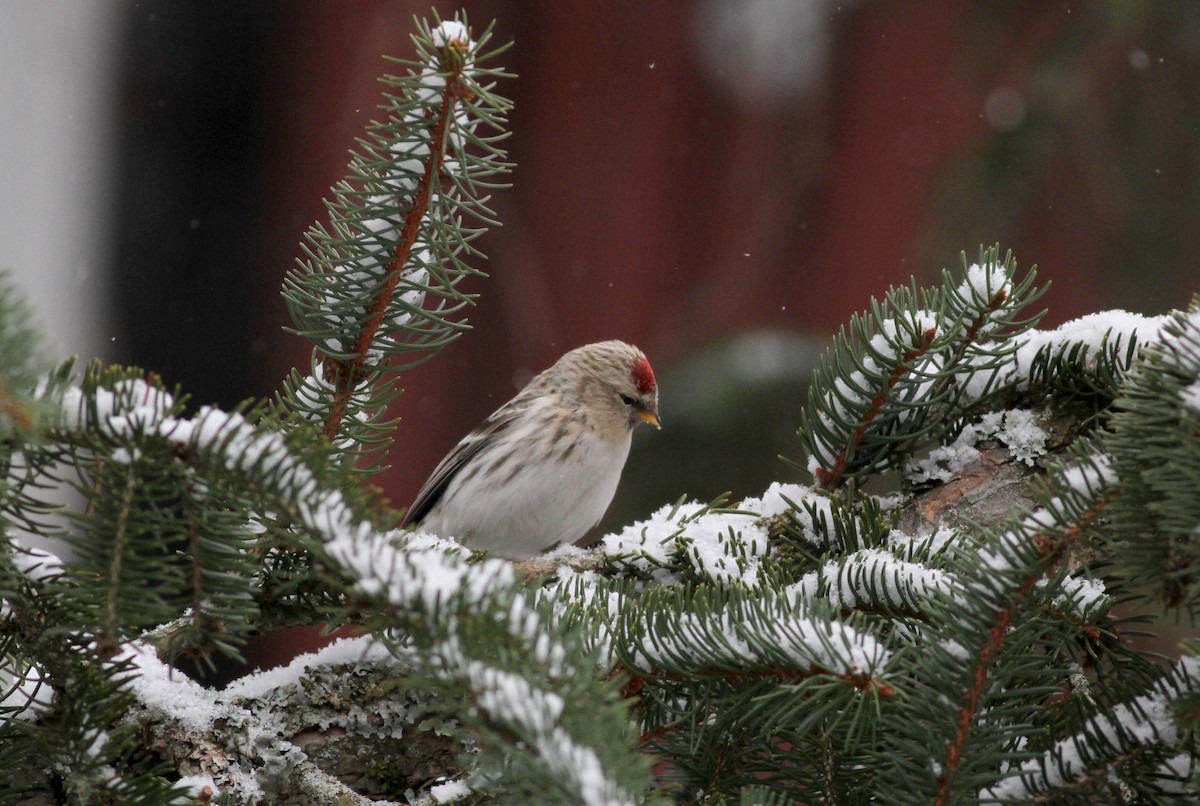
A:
(1017, 429)
(899, 374)
(1151, 437)
(202, 724)
(381, 280)
(1104, 741)
(996, 582)
(535, 713)
(872, 386)
(402, 570)
(24, 694)
(775, 636)
(874, 578)
(412, 587)
(1104, 342)
(711, 543)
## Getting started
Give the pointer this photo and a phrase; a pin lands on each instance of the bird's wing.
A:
(435, 486)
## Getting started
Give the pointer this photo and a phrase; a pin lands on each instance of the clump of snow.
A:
(756, 632)
(565, 553)
(511, 698)
(450, 31)
(956, 650)
(1085, 478)
(944, 462)
(129, 406)
(526, 624)
(582, 767)
(449, 791)
(1092, 332)
(1083, 597)
(125, 456)
(873, 576)
(980, 287)
(35, 563)
(911, 547)
(649, 544)
(1175, 775)
(582, 588)
(725, 546)
(158, 686)
(1016, 428)
(889, 501)
(1183, 341)
(811, 509)
(902, 333)
(314, 393)
(97, 740)
(779, 498)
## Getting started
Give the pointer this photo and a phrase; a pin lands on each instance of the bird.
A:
(543, 468)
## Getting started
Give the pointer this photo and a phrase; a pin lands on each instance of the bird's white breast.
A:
(519, 512)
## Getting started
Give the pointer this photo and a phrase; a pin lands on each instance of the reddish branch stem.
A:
(18, 413)
(832, 477)
(345, 373)
(1050, 551)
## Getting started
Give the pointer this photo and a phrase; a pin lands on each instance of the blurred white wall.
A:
(55, 124)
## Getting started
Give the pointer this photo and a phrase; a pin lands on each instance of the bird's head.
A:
(616, 386)
(640, 396)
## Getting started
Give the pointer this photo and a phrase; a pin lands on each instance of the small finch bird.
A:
(544, 467)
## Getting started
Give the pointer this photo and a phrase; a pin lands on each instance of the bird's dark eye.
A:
(627, 400)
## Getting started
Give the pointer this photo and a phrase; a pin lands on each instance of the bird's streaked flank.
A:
(543, 468)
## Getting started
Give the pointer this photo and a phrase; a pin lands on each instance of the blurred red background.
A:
(721, 183)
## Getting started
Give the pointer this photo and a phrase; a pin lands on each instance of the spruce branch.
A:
(109, 637)
(1102, 752)
(1153, 439)
(813, 644)
(1011, 567)
(342, 373)
(424, 593)
(905, 365)
(163, 530)
(899, 376)
(22, 364)
(381, 280)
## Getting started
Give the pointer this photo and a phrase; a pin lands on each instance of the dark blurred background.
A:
(722, 182)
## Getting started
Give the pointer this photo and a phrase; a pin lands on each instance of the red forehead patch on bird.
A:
(643, 376)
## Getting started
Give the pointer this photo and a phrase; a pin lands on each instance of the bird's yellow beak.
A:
(649, 417)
